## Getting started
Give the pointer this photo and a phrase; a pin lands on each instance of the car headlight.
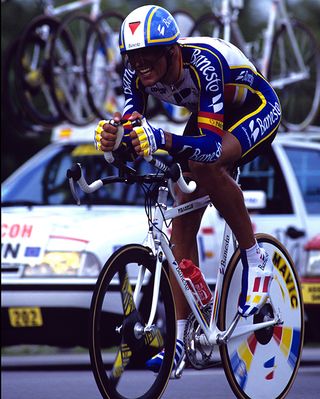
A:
(60, 263)
(313, 267)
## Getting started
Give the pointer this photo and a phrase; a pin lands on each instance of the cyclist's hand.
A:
(146, 139)
(107, 137)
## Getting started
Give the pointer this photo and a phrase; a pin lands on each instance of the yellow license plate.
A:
(25, 317)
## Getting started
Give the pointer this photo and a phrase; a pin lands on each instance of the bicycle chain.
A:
(198, 355)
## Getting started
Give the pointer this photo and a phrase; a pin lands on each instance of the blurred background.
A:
(19, 143)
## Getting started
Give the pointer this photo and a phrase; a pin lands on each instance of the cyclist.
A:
(235, 115)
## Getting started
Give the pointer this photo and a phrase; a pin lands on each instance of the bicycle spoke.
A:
(121, 361)
(122, 342)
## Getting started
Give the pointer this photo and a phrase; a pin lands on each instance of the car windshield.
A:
(43, 180)
(305, 163)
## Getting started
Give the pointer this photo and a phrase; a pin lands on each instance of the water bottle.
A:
(196, 282)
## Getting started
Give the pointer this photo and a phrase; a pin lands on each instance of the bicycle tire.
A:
(299, 100)
(184, 20)
(68, 88)
(207, 25)
(33, 79)
(103, 65)
(13, 110)
(108, 333)
(264, 363)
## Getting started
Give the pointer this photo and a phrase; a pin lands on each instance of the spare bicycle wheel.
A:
(299, 97)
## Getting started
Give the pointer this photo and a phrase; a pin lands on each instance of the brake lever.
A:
(108, 156)
(74, 174)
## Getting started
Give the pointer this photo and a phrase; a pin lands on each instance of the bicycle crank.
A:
(199, 352)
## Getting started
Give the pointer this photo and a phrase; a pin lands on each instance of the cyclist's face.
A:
(149, 63)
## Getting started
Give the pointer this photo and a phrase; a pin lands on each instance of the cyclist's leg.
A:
(184, 240)
(255, 131)
(184, 233)
(227, 197)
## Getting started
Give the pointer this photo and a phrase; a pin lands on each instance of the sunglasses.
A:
(146, 57)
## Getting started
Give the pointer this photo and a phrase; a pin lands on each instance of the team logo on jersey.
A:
(245, 76)
(204, 65)
(254, 131)
(134, 26)
(266, 123)
(216, 104)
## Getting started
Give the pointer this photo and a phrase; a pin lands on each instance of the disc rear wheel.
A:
(264, 363)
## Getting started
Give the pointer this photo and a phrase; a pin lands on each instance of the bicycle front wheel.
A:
(69, 89)
(264, 363)
(298, 86)
(118, 343)
(33, 78)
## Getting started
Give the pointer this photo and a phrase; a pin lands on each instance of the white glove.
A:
(99, 129)
(150, 138)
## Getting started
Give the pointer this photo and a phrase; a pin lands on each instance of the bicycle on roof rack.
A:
(288, 54)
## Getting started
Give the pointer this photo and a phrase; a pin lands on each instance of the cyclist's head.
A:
(147, 34)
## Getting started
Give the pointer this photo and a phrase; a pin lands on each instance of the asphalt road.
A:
(69, 376)
(194, 384)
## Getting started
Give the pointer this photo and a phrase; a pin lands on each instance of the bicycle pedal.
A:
(177, 373)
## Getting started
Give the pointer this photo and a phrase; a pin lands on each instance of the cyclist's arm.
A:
(135, 96)
(135, 101)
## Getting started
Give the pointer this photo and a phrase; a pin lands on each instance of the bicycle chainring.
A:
(199, 355)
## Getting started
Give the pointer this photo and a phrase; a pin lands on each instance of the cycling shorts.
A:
(254, 124)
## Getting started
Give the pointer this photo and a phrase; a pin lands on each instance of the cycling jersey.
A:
(222, 88)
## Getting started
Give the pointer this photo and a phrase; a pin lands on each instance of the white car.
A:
(52, 249)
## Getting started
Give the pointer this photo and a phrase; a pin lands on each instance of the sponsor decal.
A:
(16, 230)
(205, 66)
(270, 366)
(126, 81)
(185, 208)
(223, 263)
(264, 124)
(211, 121)
(134, 45)
(167, 21)
(199, 156)
(286, 274)
(247, 135)
(254, 130)
(216, 105)
(186, 286)
(134, 26)
(127, 105)
(246, 76)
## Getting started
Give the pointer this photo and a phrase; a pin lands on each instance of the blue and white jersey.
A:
(216, 76)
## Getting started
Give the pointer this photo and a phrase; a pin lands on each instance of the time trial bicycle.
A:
(260, 354)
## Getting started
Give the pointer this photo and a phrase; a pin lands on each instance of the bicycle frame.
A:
(158, 242)
(51, 10)
(278, 15)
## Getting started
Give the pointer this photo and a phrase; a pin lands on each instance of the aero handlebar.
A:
(128, 175)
